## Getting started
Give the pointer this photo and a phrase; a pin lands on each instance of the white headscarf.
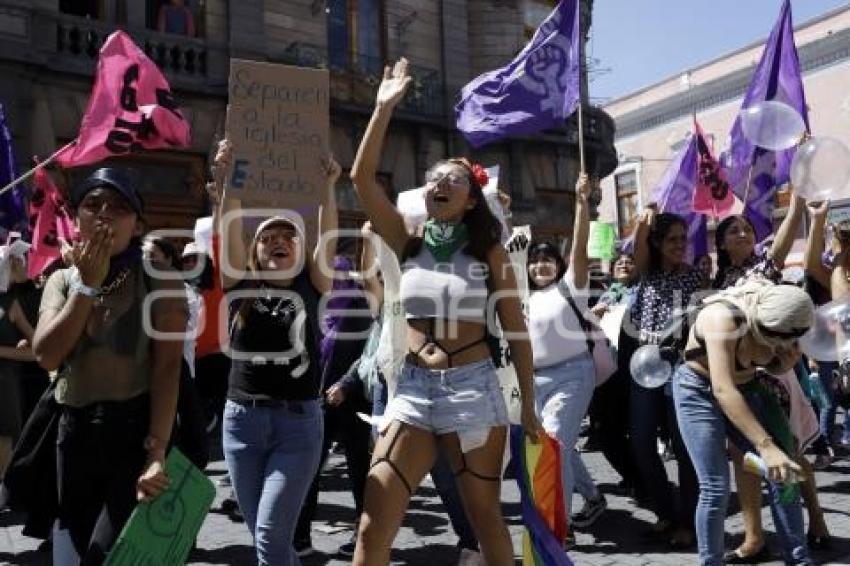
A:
(18, 249)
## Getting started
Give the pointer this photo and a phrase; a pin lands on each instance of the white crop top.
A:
(555, 333)
(456, 290)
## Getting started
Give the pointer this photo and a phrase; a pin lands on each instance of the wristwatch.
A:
(85, 290)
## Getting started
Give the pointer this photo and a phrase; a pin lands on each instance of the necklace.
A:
(283, 306)
(116, 283)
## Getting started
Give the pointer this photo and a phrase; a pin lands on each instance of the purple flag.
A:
(539, 89)
(13, 214)
(674, 193)
(777, 77)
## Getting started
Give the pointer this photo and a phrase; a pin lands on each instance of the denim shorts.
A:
(465, 400)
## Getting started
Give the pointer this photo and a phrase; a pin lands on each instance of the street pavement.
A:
(426, 537)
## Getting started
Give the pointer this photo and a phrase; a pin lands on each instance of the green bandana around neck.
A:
(443, 239)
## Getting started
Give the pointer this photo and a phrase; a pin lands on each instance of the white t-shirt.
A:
(555, 332)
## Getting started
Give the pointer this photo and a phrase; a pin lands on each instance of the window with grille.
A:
(627, 201)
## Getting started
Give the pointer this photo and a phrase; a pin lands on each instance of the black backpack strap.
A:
(583, 322)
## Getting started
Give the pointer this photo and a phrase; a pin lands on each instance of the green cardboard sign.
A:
(601, 240)
(162, 532)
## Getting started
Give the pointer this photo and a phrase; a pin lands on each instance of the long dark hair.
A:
(254, 266)
(484, 229)
(205, 280)
(167, 249)
(549, 251)
(664, 222)
(724, 262)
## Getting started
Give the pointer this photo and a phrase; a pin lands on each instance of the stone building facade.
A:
(48, 52)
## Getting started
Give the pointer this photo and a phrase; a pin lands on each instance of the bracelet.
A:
(85, 290)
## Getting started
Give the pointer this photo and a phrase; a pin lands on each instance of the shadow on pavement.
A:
(231, 554)
(425, 555)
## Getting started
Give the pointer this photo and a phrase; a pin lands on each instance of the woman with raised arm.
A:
(826, 283)
(448, 395)
(666, 287)
(564, 377)
(118, 383)
(737, 254)
(752, 326)
(272, 434)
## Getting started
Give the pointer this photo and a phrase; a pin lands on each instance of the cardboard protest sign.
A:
(517, 248)
(278, 122)
(601, 240)
(163, 531)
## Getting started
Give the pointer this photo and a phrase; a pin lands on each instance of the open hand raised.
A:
(395, 84)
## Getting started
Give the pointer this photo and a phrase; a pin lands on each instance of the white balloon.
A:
(821, 170)
(772, 125)
(828, 340)
(648, 368)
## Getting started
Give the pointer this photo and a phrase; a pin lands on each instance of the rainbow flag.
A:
(538, 476)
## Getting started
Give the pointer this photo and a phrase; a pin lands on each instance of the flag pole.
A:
(35, 169)
(747, 188)
(582, 66)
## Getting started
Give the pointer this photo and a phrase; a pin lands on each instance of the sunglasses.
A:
(792, 334)
(451, 179)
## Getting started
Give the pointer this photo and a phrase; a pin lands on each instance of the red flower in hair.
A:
(480, 175)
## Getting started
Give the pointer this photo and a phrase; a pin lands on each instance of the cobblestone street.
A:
(426, 537)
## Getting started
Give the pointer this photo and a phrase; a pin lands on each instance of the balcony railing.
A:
(357, 81)
(82, 38)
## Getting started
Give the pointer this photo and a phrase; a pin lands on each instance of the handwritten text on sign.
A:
(278, 122)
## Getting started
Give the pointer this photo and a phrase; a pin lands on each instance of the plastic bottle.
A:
(754, 464)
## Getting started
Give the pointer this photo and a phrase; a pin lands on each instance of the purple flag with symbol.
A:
(675, 194)
(777, 77)
(13, 214)
(539, 89)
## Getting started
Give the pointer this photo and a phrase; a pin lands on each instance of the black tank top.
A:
(275, 348)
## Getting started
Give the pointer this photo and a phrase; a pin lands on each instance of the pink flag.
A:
(131, 108)
(712, 194)
(49, 221)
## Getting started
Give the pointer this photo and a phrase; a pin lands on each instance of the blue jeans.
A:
(704, 430)
(272, 454)
(651, 411)
(826, 415)
(562, 395)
